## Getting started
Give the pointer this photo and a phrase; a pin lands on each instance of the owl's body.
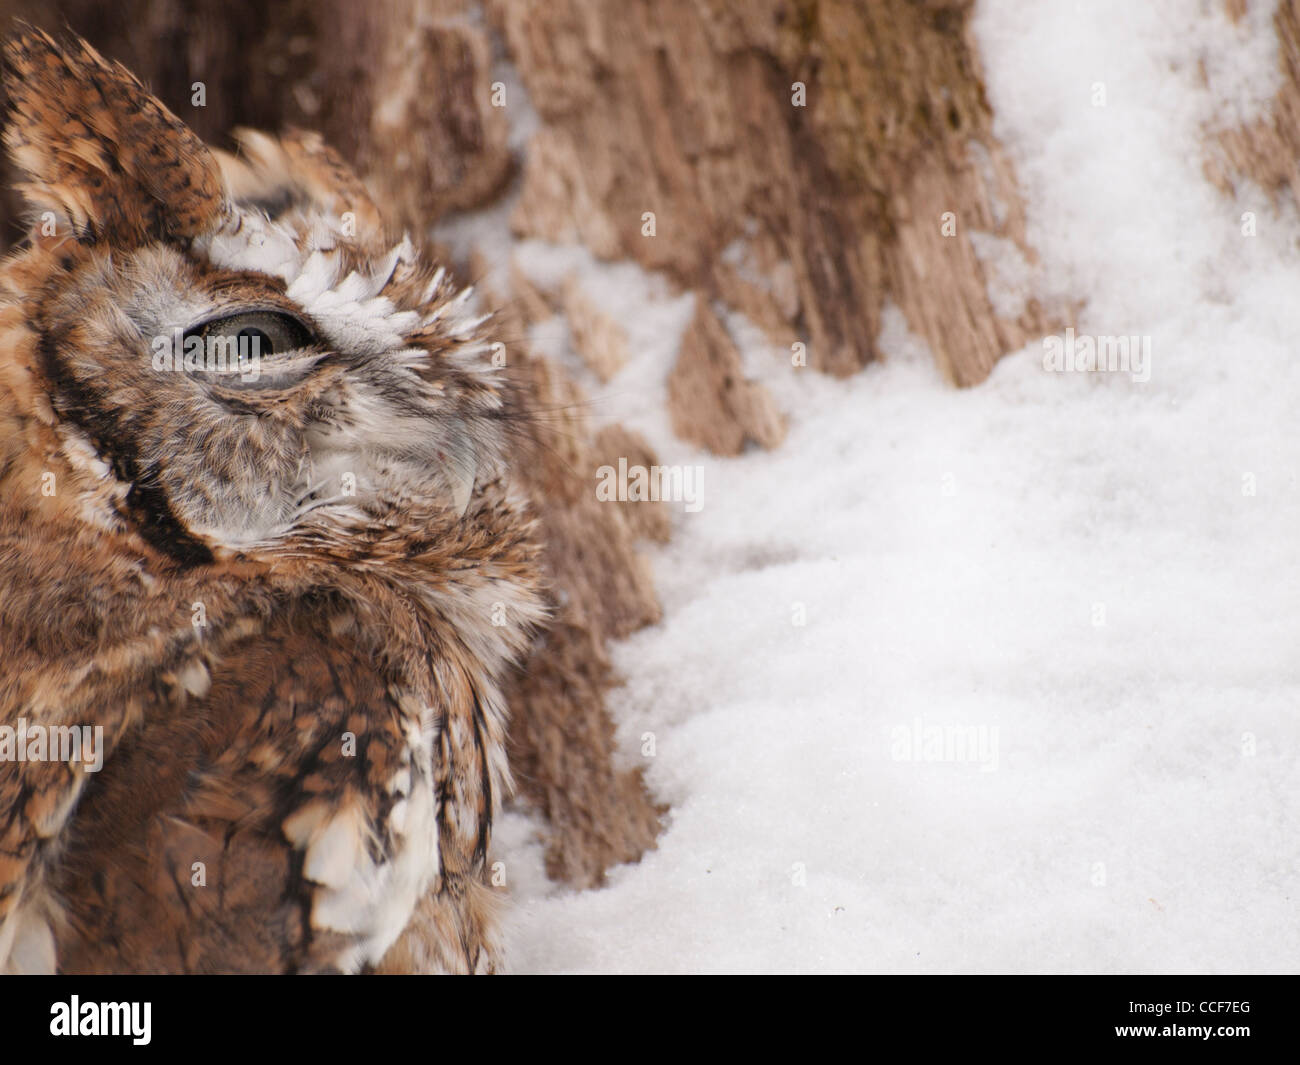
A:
(286, 592)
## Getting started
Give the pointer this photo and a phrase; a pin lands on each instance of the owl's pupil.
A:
(257, 342)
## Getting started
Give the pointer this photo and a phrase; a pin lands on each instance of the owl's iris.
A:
(261, 333)
(250, 349)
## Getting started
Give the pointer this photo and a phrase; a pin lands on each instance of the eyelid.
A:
(277, 312)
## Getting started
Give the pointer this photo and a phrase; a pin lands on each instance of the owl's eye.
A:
(261, 333)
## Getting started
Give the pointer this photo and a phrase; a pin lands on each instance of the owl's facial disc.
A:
(365, 409)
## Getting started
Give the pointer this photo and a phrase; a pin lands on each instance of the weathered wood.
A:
(711, 402)
(806, 212)
(1267, 150)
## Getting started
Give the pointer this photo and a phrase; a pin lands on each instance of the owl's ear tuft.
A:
(100, 153)
(299, 170)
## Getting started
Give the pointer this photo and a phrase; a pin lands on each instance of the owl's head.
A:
(231, 337)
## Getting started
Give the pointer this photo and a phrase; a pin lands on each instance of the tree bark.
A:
(1267, 150)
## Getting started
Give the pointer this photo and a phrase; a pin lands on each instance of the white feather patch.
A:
(349, 311)
(356, 895)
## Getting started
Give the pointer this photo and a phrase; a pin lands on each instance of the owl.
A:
(264, 565)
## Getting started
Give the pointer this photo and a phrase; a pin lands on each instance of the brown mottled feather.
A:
(100, 151)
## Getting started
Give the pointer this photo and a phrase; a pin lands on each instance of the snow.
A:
(1088, 581)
